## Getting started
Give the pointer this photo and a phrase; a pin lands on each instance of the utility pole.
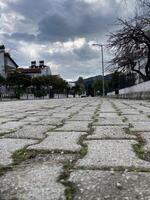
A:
(103, 71)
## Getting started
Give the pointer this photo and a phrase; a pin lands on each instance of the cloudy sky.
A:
(61, 32)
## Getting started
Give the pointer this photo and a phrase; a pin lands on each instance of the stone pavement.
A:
(82, 148)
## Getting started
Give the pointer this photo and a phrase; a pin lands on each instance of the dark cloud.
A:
(61, 20)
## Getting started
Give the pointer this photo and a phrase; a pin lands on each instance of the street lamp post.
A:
(103, 78)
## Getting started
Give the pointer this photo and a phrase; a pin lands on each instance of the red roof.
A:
(29, 70)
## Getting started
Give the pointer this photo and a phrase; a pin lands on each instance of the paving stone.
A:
(74, 126)
(108, 110)
(66, 141)
(143, 109)
(130, 112)
(51, 121)
(31, 131)
(32, 119)
(31, 112)
(81, 118)
(109, 146)
(108, 115)
(61, 115)
(9, 146)
(111, 132)
(134, 118)
(111, 153)
(141, 126)
(33, 182)
(110, 121)
(86, 113)
(102, 185)
(18, 116)
(11, 126)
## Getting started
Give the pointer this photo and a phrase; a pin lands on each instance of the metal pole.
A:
(103, 71)
(103, 80)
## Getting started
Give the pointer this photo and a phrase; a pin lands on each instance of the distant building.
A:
(7, 64)
(36, 70)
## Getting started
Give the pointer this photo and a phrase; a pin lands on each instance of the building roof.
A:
(29, 70)
(8, 56)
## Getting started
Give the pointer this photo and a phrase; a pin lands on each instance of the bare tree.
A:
(130, 42)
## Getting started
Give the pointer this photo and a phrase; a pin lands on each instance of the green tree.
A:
(19, 82)
(120, 80)
(18, 79)
(2, 80)
(42, 84)
(80, 87)
(98, 87)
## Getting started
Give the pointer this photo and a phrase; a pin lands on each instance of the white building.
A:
(36, 70)
(7, 64)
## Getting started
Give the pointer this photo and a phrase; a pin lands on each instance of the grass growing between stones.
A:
(128, 132)
(71, 188)
(84, 147)
(6, 133)
(70, 191)
(27, 154)
(139, 150)
(4, 169)
(63, 178)
(124, 119)
(24, 154)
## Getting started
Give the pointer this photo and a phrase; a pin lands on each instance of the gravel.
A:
(33, 182)
(111, 153)
(105, 185)
(111, 132)
(110, 121)
(31, 131)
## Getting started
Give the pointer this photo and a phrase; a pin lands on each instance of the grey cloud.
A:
(82, 54)
(85, 53)
(23, 36)
(61, 20)
(76, 20)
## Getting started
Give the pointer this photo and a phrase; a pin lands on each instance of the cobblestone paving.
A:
(82, 148)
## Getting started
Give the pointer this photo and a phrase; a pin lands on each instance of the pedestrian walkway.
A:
(89, 148)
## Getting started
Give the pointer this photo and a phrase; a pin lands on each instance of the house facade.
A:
(35, 70)
(7, 64)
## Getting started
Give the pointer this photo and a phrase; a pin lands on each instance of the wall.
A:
(139, 91)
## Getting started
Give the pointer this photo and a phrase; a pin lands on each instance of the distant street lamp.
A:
(103, 78)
